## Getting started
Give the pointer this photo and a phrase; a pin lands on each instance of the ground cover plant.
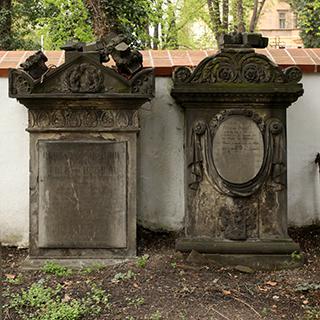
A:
(163, 284)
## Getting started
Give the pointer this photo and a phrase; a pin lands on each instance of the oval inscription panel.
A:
(238, 149)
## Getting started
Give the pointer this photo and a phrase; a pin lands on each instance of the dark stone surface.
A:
(244, 40)
(83, 125)
(82, 194)
(235, 106)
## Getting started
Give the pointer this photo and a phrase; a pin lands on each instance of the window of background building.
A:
(282, 20)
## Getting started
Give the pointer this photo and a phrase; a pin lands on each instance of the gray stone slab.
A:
(238, 149)
(82, 194)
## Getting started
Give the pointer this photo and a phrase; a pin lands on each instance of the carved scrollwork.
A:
(143, 82)
(84, 78)
(273, 156)
(181, 74)
(20, 82)
(293, 74)
(237, 67)
(71, 118)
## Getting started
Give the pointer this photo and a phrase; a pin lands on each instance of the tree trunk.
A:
(225, 15)
(5, 25)
(156, 38)
(257, 8)
(214, 12)
(241, 25)
(101, 25)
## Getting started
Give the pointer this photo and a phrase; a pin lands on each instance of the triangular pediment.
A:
(81, 76)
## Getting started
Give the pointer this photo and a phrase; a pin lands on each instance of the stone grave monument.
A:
(83, 125)
(236, 162)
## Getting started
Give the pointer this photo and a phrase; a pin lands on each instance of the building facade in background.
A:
(278, 22)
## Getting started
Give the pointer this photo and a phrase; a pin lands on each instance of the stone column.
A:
(236, 162)
(83, 125)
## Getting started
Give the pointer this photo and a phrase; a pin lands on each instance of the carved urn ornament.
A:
(236, 162)
(83, 125)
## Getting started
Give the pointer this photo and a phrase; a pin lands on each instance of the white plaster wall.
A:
(303, 145)
(161, 170)
(161, 162)
(14, 170)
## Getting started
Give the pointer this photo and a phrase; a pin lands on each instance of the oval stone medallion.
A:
(238, 149)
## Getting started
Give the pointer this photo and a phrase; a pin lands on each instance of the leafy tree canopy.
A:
(308, 13)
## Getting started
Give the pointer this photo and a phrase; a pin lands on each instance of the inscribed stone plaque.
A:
(82, 194)
(238, 149)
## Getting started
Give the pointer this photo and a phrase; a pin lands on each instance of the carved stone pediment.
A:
(80, 77)
(229, 66)
(247, 75)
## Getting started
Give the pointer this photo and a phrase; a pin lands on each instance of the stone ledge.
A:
(267, 247)
(31, 263)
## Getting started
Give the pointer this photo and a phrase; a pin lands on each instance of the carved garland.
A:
(202, 154)
(84, 78)
(69, 118)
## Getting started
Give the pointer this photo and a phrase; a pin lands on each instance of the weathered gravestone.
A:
(83, 125)
(236, 163)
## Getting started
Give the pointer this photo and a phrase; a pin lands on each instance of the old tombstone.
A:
(83, 125)
(236, 163)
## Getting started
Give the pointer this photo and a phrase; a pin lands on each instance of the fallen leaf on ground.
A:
(10, 276)
(271, 283)
(262, 289)
(226, 292)
(66, 298)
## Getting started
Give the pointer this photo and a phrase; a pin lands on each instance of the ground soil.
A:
(180, 290)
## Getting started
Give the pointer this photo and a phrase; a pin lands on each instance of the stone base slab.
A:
(36, 263)
(283, 246)
(259, 255)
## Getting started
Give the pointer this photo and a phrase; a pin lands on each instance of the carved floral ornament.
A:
(202, 154)
(70, 118)
(240, 67)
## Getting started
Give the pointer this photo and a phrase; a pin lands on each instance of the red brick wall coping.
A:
(164, 61)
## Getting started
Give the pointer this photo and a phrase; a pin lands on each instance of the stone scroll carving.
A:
(273, 156)
(90, 118)
(20, 82)
(241, 67)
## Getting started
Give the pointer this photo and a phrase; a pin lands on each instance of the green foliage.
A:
(44, 303)
(36, 297)
(135, 301)
(56, 20)
(68, 20)
(123, 276)
(308, 12)
(312, 314)
(16, 281)
(93, 268)
(296, 256)
(56, 269)
(130, 17)
(142, 261)
(156, 316)
(5, 34)
(305, 287)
